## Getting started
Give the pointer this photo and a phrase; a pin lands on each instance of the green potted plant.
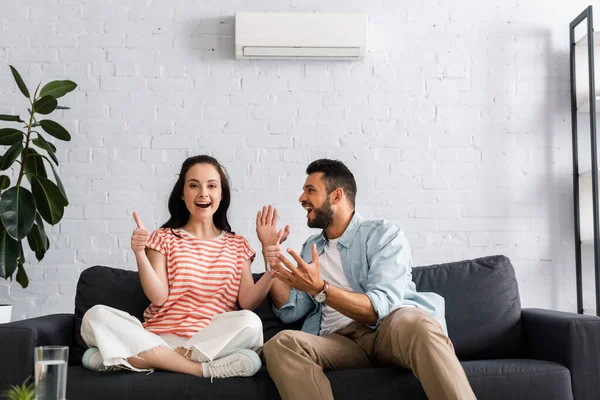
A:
(26, 203)
(25, 391)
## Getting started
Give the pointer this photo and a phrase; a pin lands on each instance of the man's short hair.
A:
(336, 175)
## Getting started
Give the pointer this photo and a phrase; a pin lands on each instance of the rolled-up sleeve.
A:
(296, 307)
(389, 258)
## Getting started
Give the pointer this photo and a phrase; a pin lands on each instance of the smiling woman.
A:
(201, 193)
(195, 271)
(202, 180)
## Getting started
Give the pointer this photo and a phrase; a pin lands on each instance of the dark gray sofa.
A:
(508, 353)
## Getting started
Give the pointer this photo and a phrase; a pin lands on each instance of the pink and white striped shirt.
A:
(204, 280)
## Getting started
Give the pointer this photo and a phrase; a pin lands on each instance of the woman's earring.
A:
(181, 197)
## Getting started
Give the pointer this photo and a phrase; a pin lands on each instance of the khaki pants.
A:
(408, 337)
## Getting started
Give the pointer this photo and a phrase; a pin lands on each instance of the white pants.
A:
(119, 336)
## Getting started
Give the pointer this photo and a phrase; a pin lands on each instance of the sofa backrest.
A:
(112, 287)
(483, 309)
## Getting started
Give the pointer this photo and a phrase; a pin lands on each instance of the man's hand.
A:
(139, 236)
(266, 227)
(304, 277)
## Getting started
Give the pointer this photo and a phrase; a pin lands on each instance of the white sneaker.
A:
(241, 362)
(92, 359)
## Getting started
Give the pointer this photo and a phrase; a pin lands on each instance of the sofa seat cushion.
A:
(516, 379)
(126, 385)
(504, 379)
(509, 379)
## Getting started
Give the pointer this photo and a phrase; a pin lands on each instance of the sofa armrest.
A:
(567, 338)
(17, 340)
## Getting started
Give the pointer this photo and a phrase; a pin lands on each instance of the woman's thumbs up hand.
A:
(139, 236)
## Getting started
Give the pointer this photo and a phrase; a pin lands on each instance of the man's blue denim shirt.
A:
(377, 261)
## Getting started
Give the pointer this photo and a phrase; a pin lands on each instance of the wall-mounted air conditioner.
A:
(312, 36)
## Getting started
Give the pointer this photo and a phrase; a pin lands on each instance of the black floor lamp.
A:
(589, 41)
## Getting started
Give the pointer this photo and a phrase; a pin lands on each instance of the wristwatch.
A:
(322, 295)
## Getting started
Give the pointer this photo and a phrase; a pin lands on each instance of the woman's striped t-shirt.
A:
(204, 280)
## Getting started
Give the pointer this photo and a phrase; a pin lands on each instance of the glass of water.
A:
(51, 372)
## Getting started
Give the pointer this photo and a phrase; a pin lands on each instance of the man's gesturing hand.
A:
(304, 277)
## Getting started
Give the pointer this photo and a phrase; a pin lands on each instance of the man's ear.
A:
(336, 196)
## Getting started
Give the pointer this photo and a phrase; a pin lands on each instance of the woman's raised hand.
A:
(266, 227)
(139, 236)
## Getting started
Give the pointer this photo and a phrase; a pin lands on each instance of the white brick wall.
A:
(456, 125)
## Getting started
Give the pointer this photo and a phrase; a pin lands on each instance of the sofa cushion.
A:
(112, 287)
(483, 309)
(126, 385)
(490, 380)
(512, 379)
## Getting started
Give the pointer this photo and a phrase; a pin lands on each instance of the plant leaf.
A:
(4, 182)
(34, 164)
(39, 144)
(47, 146)
(40, 223)
(15, 118)
(22, 254)
(9, 136)
(21, 274)
(55, 129)
(58, 89)
(19, 80)
(45, 105)
(9, 252)
(17, 211)
(22, 277)
(60, 186)
(49, 199)
(35, 242)
(33, 238)
(10, 156)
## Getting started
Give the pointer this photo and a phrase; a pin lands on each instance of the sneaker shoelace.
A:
(227, 367)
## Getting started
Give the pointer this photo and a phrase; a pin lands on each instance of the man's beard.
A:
(323, 216)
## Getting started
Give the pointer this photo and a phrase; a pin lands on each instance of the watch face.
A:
(321, 297)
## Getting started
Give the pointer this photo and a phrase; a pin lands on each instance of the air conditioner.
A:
(312, 36)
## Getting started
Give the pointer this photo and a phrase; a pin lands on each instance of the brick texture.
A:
(456, 126)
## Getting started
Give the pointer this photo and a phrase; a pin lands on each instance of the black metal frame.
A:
(586, 14)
